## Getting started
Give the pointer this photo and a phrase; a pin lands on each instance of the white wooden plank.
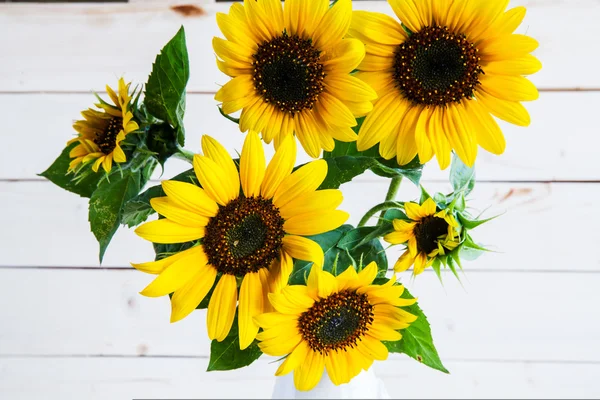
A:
(557, 146)
(537, 217)
(117, 378)
(80, 46)
(495, 316)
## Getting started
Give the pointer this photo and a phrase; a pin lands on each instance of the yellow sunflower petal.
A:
(397, 237)
(279, 272)
(314, 223)
(216, 152)
(307, 133)
(292, 300)
(301, 17)
(406, 145)
(237, 88)
(173, 212)
(311, 202)
(279, 167)
(260, 24)
(508, 22)
(309, 373)
(376, 27)
(350, 88)
(158, 266)
(420, 263)
(252, 165)
(302, 248)
(186, 299)
(347, 279)
(460, 133)
(214, 180)
(414, 211)
(381, 331)
(525, 65)
(180, 272)
(166, 232)
(251, 305)
(373, 347)
(119, 155)
(274, 319)
(234, 54)
(437, 138)
(424, 148)
(221, 308)
(489, 134)
(337, 366)
(509, 111)
(190, 197)
(295, 359)
(345, 56)
(368, 274)
(304, 180)
(507, 47)
(334, 24)
(405, 261)
(510, 88)
(382, 120)
(282, 345)
(409, 13)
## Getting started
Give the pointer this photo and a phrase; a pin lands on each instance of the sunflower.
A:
(429, 233)
(248, 236)
(100, 133)
(291, 71)
(336, 323)
(441, 75)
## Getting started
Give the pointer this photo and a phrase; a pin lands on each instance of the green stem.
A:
(383, 207)
(391, 194)
(184, 155)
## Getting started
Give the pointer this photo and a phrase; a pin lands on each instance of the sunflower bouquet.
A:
(263, 244)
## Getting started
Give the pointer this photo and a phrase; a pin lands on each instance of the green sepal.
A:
(84, 183)
(473, 223)
(417, 341)
(229, 117)
(226, 355)
(165, 90)
(106, 204)
(462, 177)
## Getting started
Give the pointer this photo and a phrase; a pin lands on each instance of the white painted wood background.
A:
(525, 324)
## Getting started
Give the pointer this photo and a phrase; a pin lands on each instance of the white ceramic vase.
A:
(364, 386)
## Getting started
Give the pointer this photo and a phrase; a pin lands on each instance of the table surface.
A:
(524, 322)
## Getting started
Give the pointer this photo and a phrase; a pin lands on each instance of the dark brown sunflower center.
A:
(288, 73)
(427, 232)
(245, 236)
(107, 140)
(436, 67)
(336, 322)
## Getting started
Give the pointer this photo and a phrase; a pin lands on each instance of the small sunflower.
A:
(429, 233)
(439, 79)
(333, 323)
(101, 132)
(247, 236)
(291, 71)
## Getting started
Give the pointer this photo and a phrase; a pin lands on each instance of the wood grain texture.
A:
(559, 144)
(495, 316)
(184, 378)
(83, 46)
(543, 226)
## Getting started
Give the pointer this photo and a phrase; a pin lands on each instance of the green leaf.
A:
(417, 341)
(138, 209)
(229, 117)
(345, 168)
(226, 355)
(106, 205)
(165, 90)
(327, 241)
(83, 185)
(462, 177)
(343, 248)
(390, 169)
